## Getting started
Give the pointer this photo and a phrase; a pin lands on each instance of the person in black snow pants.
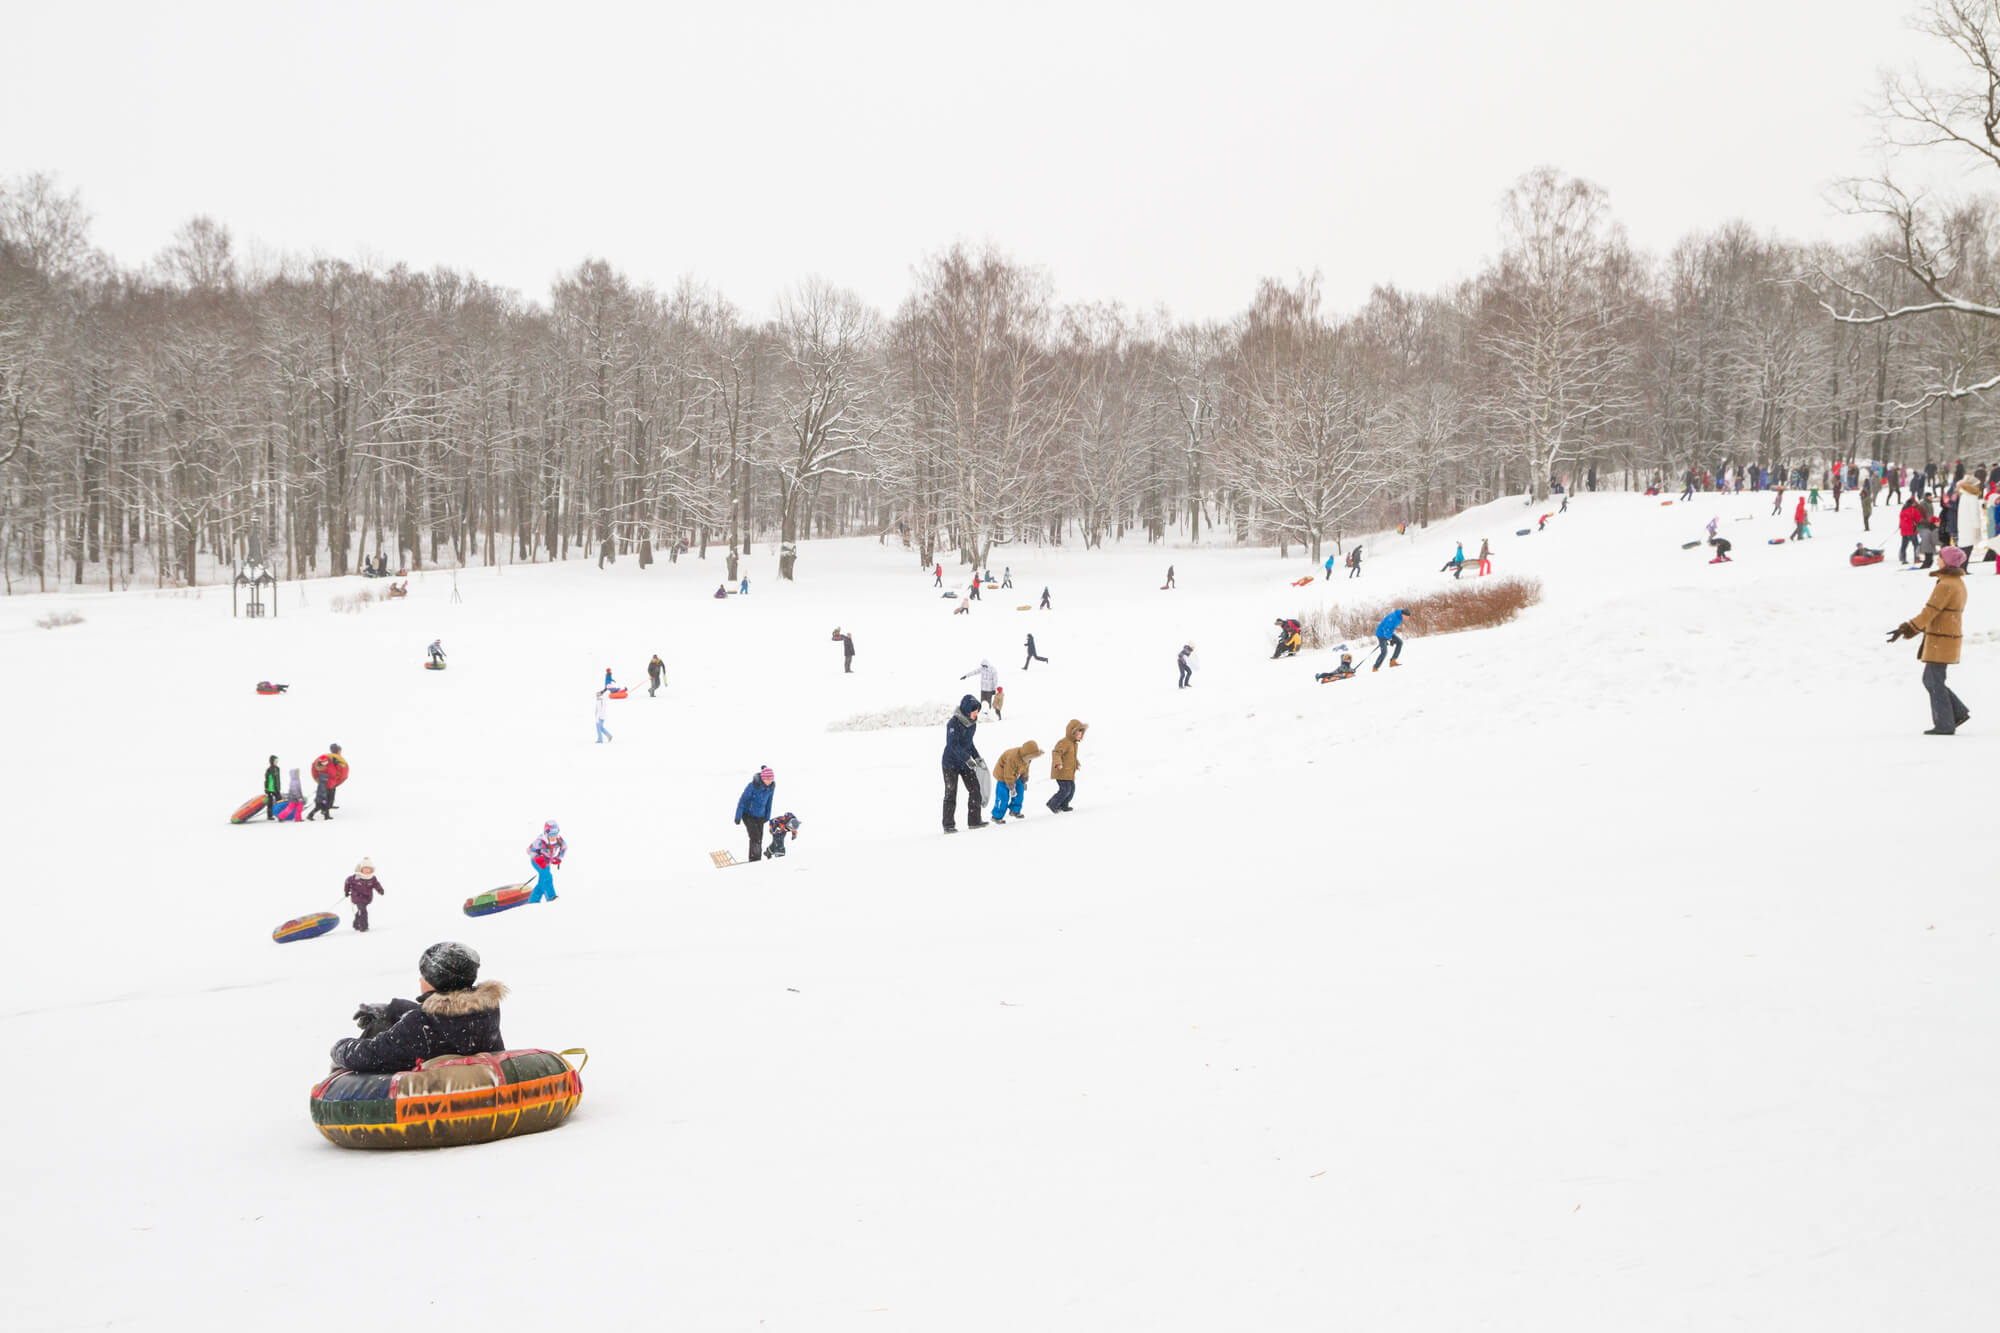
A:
(1033, 656)
(1170, 577)
(1045, 599)
(989, 680)
(959, 752)
(271, 780)
(1354, 563)
(753, 807)
(656, 672)
(847, 654)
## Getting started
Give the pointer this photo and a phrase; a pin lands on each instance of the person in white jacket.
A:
(989, 681)
(602, 734)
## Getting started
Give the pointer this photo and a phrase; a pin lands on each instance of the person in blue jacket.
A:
(753, 807)
(959, 752)
(1385, 634)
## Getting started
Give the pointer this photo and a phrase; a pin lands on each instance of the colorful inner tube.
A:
(500, 900)
(620, 693)
(307, 927)
(247, 809)
(449, 1102)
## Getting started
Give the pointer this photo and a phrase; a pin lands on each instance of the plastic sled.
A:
(1867, 558)
(1524, 532)
(1775, 541)
(246, 810)
(620, 693)
(500, 900)
(1024, 608)
(433, 666)
(1300, 583)
(308, 927)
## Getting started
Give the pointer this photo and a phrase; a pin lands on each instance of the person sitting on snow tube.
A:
(1288, 637)
(455, 1014)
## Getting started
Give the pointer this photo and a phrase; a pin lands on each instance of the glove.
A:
(739, 819)
(371, 1018)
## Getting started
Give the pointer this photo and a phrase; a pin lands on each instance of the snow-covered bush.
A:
(57, 619)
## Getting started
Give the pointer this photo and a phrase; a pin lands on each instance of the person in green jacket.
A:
(271, 793)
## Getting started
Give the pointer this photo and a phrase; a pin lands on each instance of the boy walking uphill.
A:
(656, 672)
(783, 826)
(1063, 765)
(545, 854)
(753, 807)
(1940, 622)
(1010, 780)
(1385, 634)
(271, 789)
(361, 888)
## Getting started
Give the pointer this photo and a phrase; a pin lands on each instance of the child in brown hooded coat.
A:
(1063, 765)
(1010, 780)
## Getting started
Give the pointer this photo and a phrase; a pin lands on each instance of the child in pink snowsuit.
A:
(362, 886)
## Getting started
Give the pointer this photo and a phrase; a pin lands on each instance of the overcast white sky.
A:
(1146, 153)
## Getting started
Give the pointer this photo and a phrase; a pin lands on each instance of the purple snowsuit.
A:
(361, 891)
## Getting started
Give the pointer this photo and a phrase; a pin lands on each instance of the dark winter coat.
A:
(457, 1022)
(756, 798)
(959, 751)
(361, 889)
(271, 787)
(655, 669)
(846, 646)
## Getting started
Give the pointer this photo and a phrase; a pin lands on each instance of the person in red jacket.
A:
(1906, 523)
(328, 771)
(1799, 529)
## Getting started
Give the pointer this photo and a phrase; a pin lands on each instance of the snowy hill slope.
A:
(1619, 966)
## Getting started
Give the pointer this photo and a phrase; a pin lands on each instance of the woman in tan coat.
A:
(1940, 622)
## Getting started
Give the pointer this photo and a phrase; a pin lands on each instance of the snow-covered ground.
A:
(1627, 967)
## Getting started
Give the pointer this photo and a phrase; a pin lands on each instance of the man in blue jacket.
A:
(959, 752)
(753, 807)
(1385, 634)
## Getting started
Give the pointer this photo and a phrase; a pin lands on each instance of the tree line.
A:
(154, 419)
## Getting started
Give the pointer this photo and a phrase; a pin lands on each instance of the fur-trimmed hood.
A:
(483, 998)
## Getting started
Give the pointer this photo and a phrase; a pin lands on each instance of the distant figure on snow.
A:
(1033, 656)
(1721, 545)
(753, 807)
(546, 854)
(847, 654)
(436, 651)
(743, 589)
(271, 780)
(656, 672)
(1170, 577)
(1354, 563)
(785, 825)
(940, 575)
(1045, 599)
(602, 734)
(1386, 635)
(1186, 663)
(989, 680)
(361, 888)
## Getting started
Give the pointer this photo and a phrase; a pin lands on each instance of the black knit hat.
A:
(449, 965)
